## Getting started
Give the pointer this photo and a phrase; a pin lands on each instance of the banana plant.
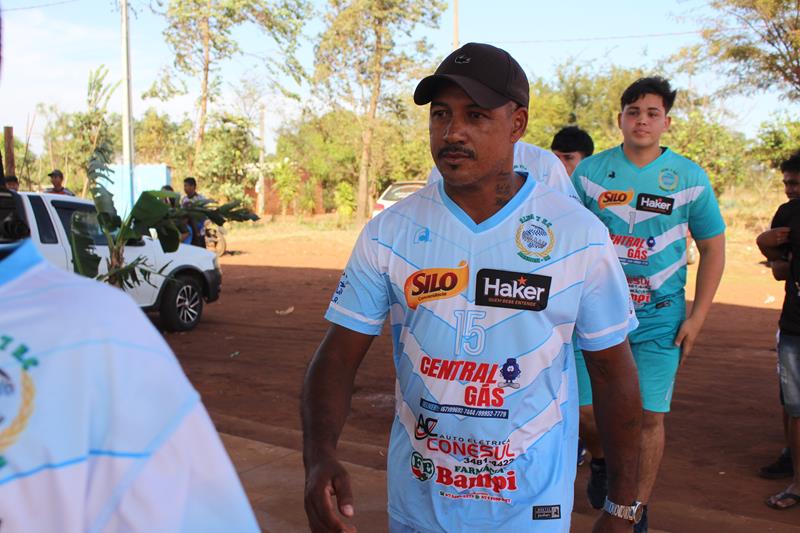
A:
(150, 211)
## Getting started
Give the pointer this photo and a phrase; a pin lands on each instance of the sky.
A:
(50, 46)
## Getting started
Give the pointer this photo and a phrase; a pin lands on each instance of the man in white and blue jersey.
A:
(650, 198)
(484, 276)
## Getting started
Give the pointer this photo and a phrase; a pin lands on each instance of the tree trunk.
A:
(201, 120)
(116, 260)
(362, 200)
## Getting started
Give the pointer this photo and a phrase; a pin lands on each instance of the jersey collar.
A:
(633, 167)
(23, 257)
(523, 193)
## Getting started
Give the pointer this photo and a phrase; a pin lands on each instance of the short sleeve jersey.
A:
(649, 212)
(788, 215)
(540, 164)
(482, 317)
(99, 428)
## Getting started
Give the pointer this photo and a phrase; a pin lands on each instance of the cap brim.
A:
(478, 92)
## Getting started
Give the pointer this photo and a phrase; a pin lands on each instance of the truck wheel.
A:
(182, 305)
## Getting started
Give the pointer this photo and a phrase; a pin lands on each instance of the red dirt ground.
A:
(248, 363)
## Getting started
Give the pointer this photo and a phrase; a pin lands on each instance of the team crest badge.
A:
(17, 393)
(535, 239)
(667, 180)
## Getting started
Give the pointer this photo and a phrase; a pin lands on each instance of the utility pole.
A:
(261, 189)
(8, 139)
(455, 24)
(127, 108)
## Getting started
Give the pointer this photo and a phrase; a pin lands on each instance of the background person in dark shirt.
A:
(781, 246)
(57, 179)
(12, 183)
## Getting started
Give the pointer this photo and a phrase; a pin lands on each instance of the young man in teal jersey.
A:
(650, 198)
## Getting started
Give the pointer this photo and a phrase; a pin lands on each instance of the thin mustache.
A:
(453, 150)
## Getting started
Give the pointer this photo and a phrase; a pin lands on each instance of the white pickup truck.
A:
(193, 273)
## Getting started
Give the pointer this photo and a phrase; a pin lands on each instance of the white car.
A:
(193, 273)
(394, 193)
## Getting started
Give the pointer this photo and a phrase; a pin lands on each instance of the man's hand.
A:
(773, 238)
(686, 336)
(611, 524)
(327, 478)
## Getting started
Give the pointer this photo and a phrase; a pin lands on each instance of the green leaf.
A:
(84, 260)
(107, 215)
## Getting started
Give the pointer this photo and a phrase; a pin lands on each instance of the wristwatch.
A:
(632, 513)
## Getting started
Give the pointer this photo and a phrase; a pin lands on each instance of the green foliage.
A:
(68, 137)
(777, 140)
(344, 198)
(160, 140)
(149, 212)
(756, 43)
(721, 152)
(358, 58)
(226, 165)
(199, 32)
(327, 149)
(287, 183)
(580, 96)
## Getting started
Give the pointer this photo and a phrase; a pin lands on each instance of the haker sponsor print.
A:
(435, 284)
(513, 290)
(653, 203)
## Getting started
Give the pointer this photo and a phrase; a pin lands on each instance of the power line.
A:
(611, 37)
(38, 6)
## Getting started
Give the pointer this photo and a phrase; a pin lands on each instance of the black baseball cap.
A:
(489, 75)
(56, 172)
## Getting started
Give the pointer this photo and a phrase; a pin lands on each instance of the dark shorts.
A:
(789, 361)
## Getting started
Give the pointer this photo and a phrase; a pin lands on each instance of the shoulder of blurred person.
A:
(108, 428)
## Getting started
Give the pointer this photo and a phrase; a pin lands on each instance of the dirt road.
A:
(248, 361)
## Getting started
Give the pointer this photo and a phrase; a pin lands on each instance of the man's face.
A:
(570, 160)
(189, 189)
(643, 121)
(12, 185)
(791, 185)
(470, 143)
(57, 182)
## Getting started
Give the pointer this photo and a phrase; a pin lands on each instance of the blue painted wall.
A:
(146, 178)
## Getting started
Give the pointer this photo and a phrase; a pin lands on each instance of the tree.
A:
(755, 42)
(160, 140)
(588, 98)
(358, 56)
(68, 137)
(200, 35)
(227, 164)
(777, 140)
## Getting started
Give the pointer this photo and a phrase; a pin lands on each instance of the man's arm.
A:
(780, 269)
(772, 241)
(618, 410)
(709, 274)
(327, 391)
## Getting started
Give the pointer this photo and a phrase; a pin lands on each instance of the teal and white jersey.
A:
(482, 316)
(99, 428)
(538, 163)
(649, 212)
